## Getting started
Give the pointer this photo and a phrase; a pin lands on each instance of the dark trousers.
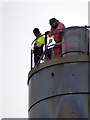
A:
(37, 53)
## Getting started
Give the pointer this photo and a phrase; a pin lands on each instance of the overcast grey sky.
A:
(17, 20)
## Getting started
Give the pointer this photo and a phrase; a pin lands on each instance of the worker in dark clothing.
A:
(38, 46)
(55, 25)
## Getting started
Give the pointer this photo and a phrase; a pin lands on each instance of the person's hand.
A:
(49, 35)
(47, 32)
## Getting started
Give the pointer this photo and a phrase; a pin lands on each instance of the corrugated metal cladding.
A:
(59, 91)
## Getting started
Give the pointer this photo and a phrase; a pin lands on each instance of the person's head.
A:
(36, 32)
(53, 22)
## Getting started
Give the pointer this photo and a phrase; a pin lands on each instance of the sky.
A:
(18, 18)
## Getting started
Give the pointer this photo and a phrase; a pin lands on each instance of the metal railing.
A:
(48, 47)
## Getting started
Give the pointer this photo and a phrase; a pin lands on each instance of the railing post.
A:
(45, 45)
(31, 59)
(86, 39)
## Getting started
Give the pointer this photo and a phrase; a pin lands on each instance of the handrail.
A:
(61, 43)
(53, 45)
(53, 32)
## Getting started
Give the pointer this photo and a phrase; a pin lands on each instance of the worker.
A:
(38, 46)
(55, 25)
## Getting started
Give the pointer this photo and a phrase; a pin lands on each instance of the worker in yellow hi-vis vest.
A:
(38, 46)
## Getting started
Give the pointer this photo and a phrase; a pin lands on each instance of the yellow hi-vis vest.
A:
(40, 41)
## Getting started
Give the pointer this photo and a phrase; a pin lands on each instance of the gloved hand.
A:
(47, 32)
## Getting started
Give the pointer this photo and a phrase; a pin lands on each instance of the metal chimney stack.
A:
(59, 88)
